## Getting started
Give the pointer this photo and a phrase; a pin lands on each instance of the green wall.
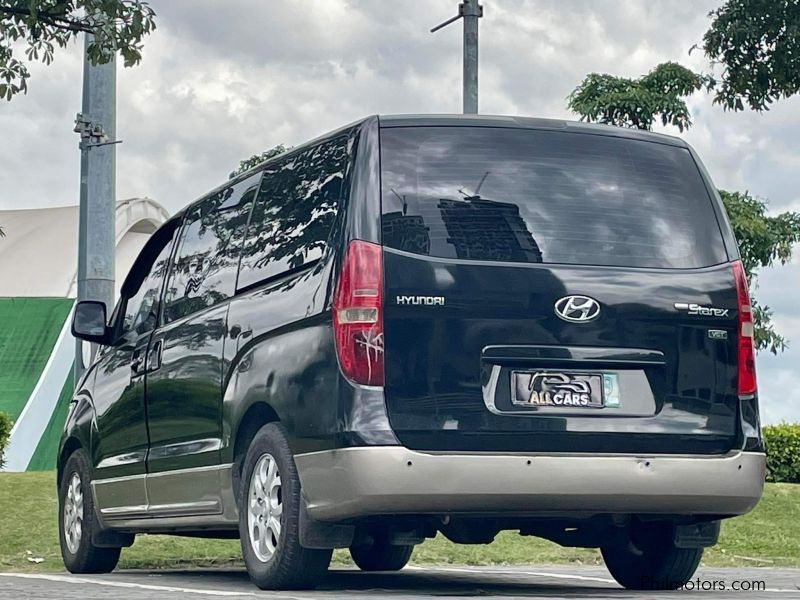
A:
(29, 328)
(44, 458)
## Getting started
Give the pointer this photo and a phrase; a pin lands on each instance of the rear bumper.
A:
(356, 482)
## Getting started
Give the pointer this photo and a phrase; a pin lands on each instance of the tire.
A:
(380, 556)
(77, 521)
(650, 560)
(286, 565)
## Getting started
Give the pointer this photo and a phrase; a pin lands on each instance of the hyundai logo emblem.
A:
(577, 309)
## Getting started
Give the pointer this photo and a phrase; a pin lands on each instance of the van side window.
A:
(141, 305)
(204, 269)
(295, 210)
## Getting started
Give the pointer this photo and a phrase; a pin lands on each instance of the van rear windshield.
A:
(537, 196)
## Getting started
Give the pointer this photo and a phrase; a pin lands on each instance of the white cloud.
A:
(779, 392)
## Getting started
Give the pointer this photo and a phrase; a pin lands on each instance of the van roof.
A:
(459, 120)
(507, 121)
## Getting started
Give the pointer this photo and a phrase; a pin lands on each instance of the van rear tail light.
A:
(358, 314)
(746, 385)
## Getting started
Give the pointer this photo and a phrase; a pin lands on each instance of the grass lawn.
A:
(769, 536)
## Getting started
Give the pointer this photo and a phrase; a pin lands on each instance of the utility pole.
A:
(96, 124)
(470, 11)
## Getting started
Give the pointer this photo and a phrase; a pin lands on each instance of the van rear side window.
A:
(532, 196)
(294, 211)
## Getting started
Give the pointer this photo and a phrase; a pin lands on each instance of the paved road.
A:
(411, 583)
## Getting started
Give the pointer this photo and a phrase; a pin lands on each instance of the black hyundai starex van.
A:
(427, 324)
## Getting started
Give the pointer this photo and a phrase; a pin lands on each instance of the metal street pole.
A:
(96, 124)
(470, 11)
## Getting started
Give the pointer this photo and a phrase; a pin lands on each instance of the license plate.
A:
(557, 389)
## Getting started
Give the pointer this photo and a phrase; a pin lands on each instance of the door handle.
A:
(236, 331)
(137, 362)
(154, 356)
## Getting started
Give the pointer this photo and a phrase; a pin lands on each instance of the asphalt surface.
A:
(411, 583)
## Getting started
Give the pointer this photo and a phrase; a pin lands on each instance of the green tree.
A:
(763, 240)
(638, 102)
(257, 159)
(39, 26)
(757, 44)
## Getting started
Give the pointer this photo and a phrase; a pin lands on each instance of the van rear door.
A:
(553, 290)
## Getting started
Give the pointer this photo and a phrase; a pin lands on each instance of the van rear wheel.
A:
(649, 560)
(269, 516)
(379, 555)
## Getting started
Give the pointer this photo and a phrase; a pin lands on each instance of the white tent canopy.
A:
(38, 256)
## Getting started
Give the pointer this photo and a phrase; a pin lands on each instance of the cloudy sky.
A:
(221, 80)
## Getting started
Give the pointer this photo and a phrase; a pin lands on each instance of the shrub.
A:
(783, 452)
(5, 430)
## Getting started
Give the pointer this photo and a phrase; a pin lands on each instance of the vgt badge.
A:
(577, 309)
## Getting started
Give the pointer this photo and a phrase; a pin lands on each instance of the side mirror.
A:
(89, 322)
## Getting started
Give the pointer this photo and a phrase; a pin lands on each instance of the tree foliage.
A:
(783, 452)
(639, 102)
(763, 240)
(5, 433)
(257, 159)
(38, 27)
(757, 43)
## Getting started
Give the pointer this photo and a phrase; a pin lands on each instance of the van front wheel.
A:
(269, 517)
(77, 521)
(649, 560)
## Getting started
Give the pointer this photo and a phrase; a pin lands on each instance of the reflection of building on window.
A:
(487, 230)
(406, 232)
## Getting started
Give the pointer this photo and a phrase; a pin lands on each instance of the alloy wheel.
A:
(265, 507)
(73, 514)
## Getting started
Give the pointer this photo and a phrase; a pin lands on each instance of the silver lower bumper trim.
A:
(356, 482)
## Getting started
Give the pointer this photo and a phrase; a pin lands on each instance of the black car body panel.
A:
(687, 401)
(526, 237)
(285, 358)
